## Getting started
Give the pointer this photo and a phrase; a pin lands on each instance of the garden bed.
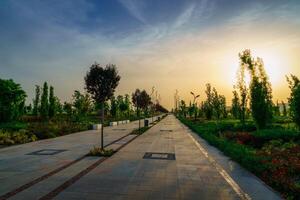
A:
(271, 154)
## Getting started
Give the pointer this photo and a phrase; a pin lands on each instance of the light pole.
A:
(194, 101)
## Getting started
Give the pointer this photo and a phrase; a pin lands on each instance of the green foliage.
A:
(113, 106)
(208, 104)
(82, 105)
(219, 105)
(51, 129)
(260, 90)
(141, 100)
(52, 106)
(19, 137)
(101, 82)
(36, 100)
(97, 151)
(67, 108)
(294, 100)
(12, 99)
(235, 106)
(44, 102)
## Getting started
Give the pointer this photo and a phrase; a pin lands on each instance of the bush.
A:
(97, 151)
(13, 126)
(52, 129)
(20, 137)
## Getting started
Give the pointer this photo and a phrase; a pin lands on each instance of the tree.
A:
(260, 90)
(67, 108)
(123, 104)
(101, 83)
(36, 100)
(113, 107)
(182, 107)
(294, 99)
(284, 110)
(276, 109)
(235, 106)
(127, 103)
(208, 104)
(82, 104)
(141, 100)
(44, 102)
(243, 93)
(12, 100)
(52, 108)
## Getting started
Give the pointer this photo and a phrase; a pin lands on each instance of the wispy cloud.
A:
(135, 8)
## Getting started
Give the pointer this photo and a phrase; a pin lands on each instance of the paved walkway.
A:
(17, 167)
(127, 175)
(187, 172)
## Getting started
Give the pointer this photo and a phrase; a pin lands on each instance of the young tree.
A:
(243, 93)
(135, 101)
(123, 105)
(235, 106)
(260, 90)
(127, 103)
(12, 100)
(44, 102)
(294, 100)
(284, 110)
(82, 104)
(67, 108)
(113, 107)
(36, 100)
(141, 100)
(208, 104)
(101, 83)
(52, 109)
(182, 107)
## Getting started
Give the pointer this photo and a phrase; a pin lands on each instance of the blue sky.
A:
(169, 44)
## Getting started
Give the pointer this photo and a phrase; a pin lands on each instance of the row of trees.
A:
(254, 99)
(213, 107)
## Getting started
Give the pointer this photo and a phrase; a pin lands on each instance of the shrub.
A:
(20, 137)
(97, 151)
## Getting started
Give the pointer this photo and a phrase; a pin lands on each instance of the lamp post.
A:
(194, 101)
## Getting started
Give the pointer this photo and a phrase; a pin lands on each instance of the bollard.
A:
(146, 122)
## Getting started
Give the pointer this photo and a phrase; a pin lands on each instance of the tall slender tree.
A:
(44, 102)
(36, 100)
(260, 89)
(294, 99)
(52, 109)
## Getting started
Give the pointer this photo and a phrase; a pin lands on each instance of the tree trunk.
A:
(102, 124)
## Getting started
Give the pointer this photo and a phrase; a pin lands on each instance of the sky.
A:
(169, 44)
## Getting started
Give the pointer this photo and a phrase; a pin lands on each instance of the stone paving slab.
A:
(126, 175)
(18, 168)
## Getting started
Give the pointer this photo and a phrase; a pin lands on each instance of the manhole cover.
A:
(47, 152)
(159, 156)
(166, 130)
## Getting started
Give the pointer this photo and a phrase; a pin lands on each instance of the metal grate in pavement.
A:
(47, 152)
(159, 156)
(166, 130)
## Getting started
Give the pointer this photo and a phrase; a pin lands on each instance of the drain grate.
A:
(159, 156)
(47, 152)
(166, 130)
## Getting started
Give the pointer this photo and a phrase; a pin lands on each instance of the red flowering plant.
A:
(283, 163)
